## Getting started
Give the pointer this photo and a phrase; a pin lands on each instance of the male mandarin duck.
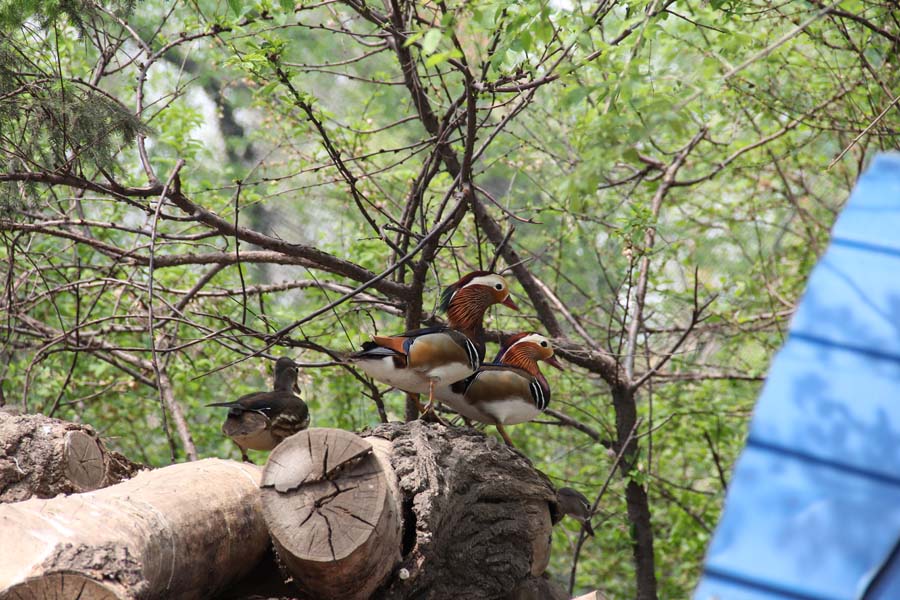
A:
(511, 390)
(261, 420)
(418, 360)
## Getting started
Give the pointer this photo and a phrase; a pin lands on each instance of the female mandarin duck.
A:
(510, 390)
(262, 420)
(418, 360)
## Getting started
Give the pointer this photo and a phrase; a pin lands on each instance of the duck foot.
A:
(245, 458)
(430, 416)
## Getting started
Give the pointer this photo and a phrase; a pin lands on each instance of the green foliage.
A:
(61, 125)
(15, 13)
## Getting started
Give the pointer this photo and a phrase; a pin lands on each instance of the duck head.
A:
(286, 371)
(466, 301)
(524, 350)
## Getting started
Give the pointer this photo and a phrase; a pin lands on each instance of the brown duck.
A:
(261, 420)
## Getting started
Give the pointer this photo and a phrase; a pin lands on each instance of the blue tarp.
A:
(813, 508)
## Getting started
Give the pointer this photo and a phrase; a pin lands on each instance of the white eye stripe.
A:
(488, 280)
(537, 339)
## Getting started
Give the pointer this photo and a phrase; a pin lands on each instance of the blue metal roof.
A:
(813, 508)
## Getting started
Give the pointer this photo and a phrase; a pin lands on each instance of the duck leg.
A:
(504, 435)
(244, 457)
(429, 413)
(430, 406)
(416, 399)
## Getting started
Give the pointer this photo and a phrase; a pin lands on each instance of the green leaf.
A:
(631, 155)
(436, 59)
(574, 95)
(235, 6)
(525, 39)
(287, 5)
(431, 41)
(413, 38)
(268, 88)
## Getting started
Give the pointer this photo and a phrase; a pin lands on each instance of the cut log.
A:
(184, 531)
(413, 510)
(331, 502)
(43, 457)
(62, 586)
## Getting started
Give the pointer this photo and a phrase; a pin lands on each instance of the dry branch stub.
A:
(42, 457)
(412, 510)
(183, 531)
(331, 503)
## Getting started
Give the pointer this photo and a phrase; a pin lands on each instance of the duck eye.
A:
(544, 344)
(498, 286)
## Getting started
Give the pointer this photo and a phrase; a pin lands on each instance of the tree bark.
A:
(43, 457)
(636, 500)
(538, 588)
(413, 510)
(183, 531)
(478, 514)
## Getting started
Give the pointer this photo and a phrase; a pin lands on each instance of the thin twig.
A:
(150, 322)
(864, 132)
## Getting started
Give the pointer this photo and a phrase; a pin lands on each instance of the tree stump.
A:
(331, 502)
(183, 531)
(469, 518)
(43, 457)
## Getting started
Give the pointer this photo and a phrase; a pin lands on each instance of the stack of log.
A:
(411, 510)
(42, 457)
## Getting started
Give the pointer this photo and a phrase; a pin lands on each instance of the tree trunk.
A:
(183, 531)
(43, 457)
(635, 495)
(413, 510)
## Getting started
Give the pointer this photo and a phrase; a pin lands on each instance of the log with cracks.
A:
(41, 457)
(185, 531)
(411, 510)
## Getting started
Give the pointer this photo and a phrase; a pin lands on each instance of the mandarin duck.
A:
(573, 503)
(261, 420)
(417, 361)
(510, 390)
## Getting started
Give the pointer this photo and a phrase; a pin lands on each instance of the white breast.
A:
(510, 411)
(450, 373)
(385, 371)
(458, 403)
